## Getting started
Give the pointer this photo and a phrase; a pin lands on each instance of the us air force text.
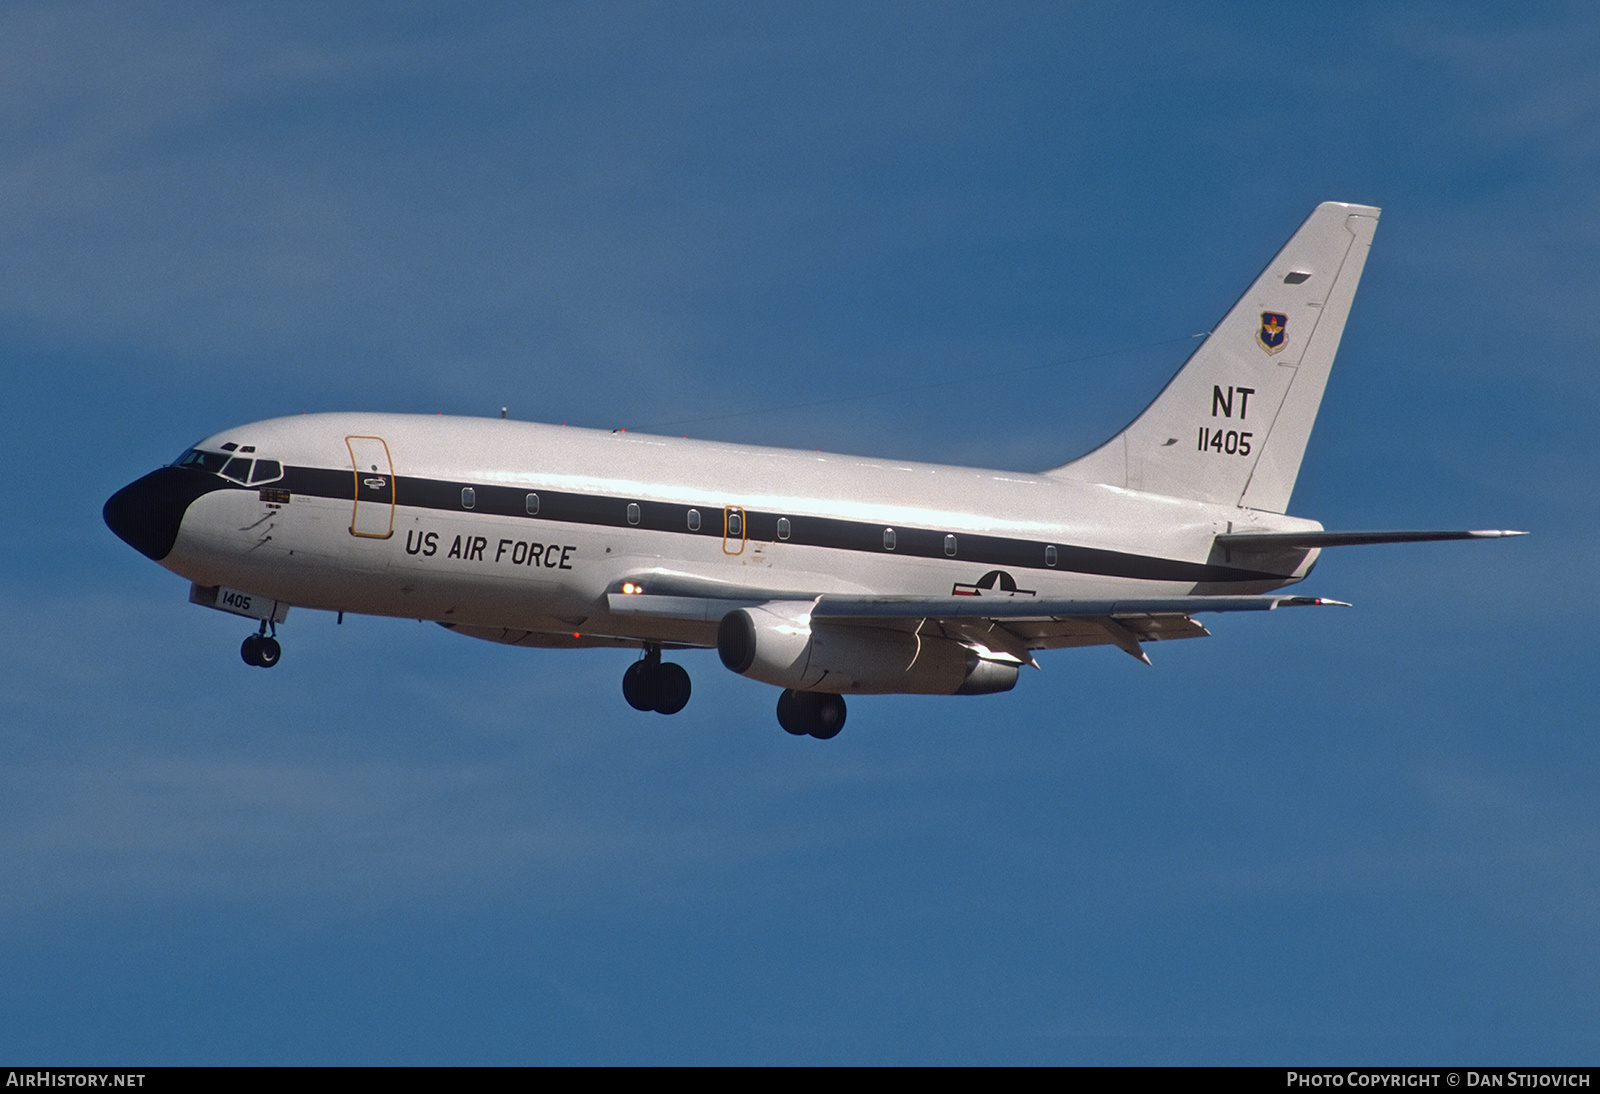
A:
(515, 552)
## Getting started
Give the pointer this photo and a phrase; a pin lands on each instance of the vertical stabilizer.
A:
(1232, 425)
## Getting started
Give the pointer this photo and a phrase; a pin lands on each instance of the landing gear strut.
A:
(261, 650)
(811, 713)
(651, 684)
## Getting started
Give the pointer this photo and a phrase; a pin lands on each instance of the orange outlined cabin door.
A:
(373, 517)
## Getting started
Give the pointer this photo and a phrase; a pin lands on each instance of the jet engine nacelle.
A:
(777, 644)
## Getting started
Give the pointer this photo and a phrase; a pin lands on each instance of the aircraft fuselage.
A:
(490, 523)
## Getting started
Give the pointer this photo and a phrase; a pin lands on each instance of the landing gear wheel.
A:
(811, 714)
(672, 688)
(829, 717)
(792, 712)
(639, 686)
(260, 651)
(651, 685)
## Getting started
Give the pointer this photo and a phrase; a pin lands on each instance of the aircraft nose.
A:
(146, 514)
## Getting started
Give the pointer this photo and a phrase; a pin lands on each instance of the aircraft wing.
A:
(1005, 628)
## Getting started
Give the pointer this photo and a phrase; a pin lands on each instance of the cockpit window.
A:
(266, 471)
(201, 461)
(238, 468)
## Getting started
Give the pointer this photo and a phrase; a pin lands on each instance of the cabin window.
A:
(633, 512)
(1050, 555)
(950, 546)
(531, 503)
(735, 523)
(783, 527)
(469, 497)
(888, 539)
(266, 471)
(694, 520)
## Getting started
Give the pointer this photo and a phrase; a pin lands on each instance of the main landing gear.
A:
(811, 713)
(261, 650)
(651, 684)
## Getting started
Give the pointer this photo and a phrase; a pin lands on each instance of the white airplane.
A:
(824, 575)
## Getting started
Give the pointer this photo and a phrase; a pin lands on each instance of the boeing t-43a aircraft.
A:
(823, 575)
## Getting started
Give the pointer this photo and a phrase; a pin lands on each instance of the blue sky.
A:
(941, 232)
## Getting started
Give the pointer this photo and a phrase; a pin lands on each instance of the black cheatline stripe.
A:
(561, 507)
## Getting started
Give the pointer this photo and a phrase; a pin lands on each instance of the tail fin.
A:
(1232, 425)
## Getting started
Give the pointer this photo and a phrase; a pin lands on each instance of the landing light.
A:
(630, 589)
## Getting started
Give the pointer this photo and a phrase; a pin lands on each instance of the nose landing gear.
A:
(260, 649)
(651, 684)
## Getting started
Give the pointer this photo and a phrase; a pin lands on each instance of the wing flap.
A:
(1007, 628)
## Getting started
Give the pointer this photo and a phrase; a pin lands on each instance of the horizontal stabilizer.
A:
(1273, 540)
